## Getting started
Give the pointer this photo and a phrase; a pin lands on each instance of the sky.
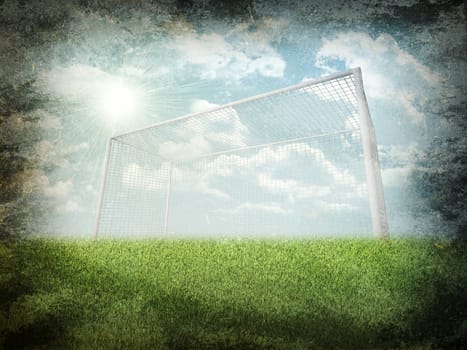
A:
(57, 62)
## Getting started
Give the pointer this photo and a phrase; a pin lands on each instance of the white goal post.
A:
(296, 162)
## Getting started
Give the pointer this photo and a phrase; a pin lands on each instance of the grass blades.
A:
(247, 294)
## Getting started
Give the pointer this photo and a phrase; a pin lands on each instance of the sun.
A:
(117, 100)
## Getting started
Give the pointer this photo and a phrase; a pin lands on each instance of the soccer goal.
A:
(297, 162)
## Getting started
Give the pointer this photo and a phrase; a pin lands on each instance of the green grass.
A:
(151, 294)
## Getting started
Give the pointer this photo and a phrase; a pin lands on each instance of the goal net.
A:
(297, 162)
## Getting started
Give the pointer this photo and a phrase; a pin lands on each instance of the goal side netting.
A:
(297, 162)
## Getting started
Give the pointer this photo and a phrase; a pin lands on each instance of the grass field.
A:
(152, 294)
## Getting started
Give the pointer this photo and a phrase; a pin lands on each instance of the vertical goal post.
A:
(372, 168)
(182, 166)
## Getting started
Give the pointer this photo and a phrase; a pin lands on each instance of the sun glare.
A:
(117, 101)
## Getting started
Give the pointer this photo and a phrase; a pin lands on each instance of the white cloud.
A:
(185, 179)
(321, 207)
(135, 176)
(203, 187)
(227, 164)
(326, 91)
(46, 152)
(216, 131)
(268, 66)
(50, 123)
(195, 147)
(145, 70)
(59, 190)
(352, 122)
(93, 191)
(47, 121)
(397, 162)
(132, 71)
(82, 146)
(198, 106)
(70, 206)
(326, 180)
(397, 155)
(234, 132)
(32, 180)
(75, 81)
(218, 58)
(132, 174)
(188, 179)
(267, 207)
(395, 177)
(291, 188)
(389, 72)
(257, 164)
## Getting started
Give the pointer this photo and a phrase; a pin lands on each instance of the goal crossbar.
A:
(244, 100)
